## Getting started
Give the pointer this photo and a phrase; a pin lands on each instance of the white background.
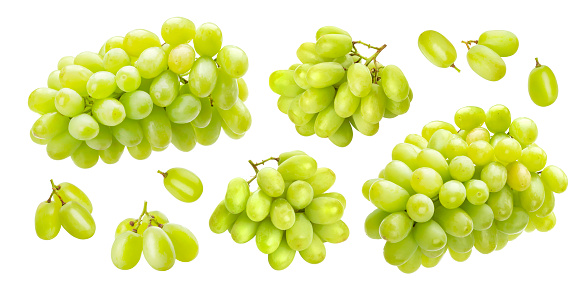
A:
(37, 33)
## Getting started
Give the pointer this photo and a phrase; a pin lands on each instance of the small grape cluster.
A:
(153, 236)
(289, 212)
(448, 190)
(68, 206)
(133, 94)
(337, 89)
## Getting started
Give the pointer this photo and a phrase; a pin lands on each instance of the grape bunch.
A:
(182, 184)
(153, 236)
(139, 94)
(337, 89)
(68, 206)
(448, 190)
(290, 211)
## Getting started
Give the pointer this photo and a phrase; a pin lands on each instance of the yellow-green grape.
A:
(494, 175)
(221, 219)
(416, 140)
(128, 132)
(501, 203)
(83, 127)
(388, 196)
(208, 39)
(237, 195)
(299, 194)
(548, 204)
(157, 128)
(469, 117)
(477, 192)
(109, 111)
(461, 244)
(183, 137)
(62, 146)
(372, 107)
(209, 134)
(322, 180)
(333, 45)
(268, 237)
(345, 102)
(53, 80)
(299, 167)
(395, 227)
(258, 206)
(75, 77)
(485, 241)
(315, 100)
(461, 168)
(237, 118)
(482, 215)
(113, 153)
(281, 258)
(233, 61)
(544, 224)
(77, 220)
(89, 60)
(432, 261)
(330, 30)
(242, 89)
(183, 109)
(69, 102)
(151, 62)
(501, 240)
(181, 59)
(316, 252)
(85, 156)
(394, 83)
(125, 226)
(406, 153)
(334, 233)
(103, 140)
(534, 196)
(420, 208)
(154, 218)
(184, 242)
(426, 181)
(400, 252)
(203, 77)
(114, 42)
(343, 136)
(283, 83)
(282, 214)
(299, 236)
(183, 184)
(334, 195)
(486, 63)
(65, 61)
(158, 249)
(38, 140)
(507, 150)
(515, 223)
(455, 222)
(514, 236)
(533, 157)
(437, 49)
(430, 128)
(327, 122)
(452, 194)
(518, 176)
(498, 119)
(504, 43)
(307, 129)
(128, 79)
(555, 179)
(296, 115)
(244, 229)
(115, 59)
(324, 74)
(164, 88)
(430, 236)
(362, 126)
(47, 223)
(205, 115)
(136, 41)
(435, 160)
(286, 155)
(477, 134)
(126, 250)
(225, 92)
(177, 30)
(359, 80)
(523, 130)
(397, 108)
(306, 53)
(50, 125)
(373, 222)
(459, 257)
(300, 75)
(543, 86)
(455, 147)
(324, 210)
(42, 100)
(481, 152)
(230, 133)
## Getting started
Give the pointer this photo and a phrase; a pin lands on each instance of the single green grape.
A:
(461, 244)
(426, 181)
(209, 134)
(47, 223)
(141, 151)
(83, 127)
(437, 49)
(237, 195)
(504, 43)
(181, 59)
(77, 220)
(498, 119)
(316, 252)
(469, 117)
(183, 184)
(151, 62)
(555, 179)
(430, 236)
(518, 176)
(430, 128)
(42, 100)
(373, 222)
(237, 118)
(50, 125)
(281, 258)
(221, 219)
(75, 77)
(494, 175)
(177, 30)
(324, 210)
(268, 237)
(126, 250)
(359, 79)
(400, 252)
(434, 160)
(89, 60)
(543, 86)
(85, 156)
(136, 41)
(205, 115)
(477, 134)
(330, 30)
(486, 63)
(115, 59)
(333, 45)
(225, 92)
(65, 61)
(485, 241)
(515, 223)
(452, 194)
(258, 206)
(128, 78)
(208, 39)
(113, 153)
(543, 224)
(345, 102)
(399, 173)
(455, 222)
(164, 88)
(282, 214)
(62, 146)
(283, 83)
(233, 61)
(406, 153)
(507, 150)
(395, 227)
(524, 130)
(533, 157)
(343, 136)
(501, 203)
(299, 194)
(362, 126)
(477, 192)
(108, 111)
(158, 249)
(388, 196)
(394, 83)
(184, 242)
(137, 104)
(534, 196)
(299, 167)
(461, 168)
(314, 100)
(203, 77)
(300, 75)
(157, 128)
(327, 122)
(183, 109)
(69, 102)
(481, 152)
(324, 74)
(420, 208)
(114, 42)
(53, 80)
(183, 137)
(372, 107)
(322, 180)
(482, 215)
(439, 141)
(334, 233)
(300, 235)
(128, 132)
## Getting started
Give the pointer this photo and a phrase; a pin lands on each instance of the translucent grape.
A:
(128, 132)
(439, 141)
(76, 220)
(237, 118)
(177, 30)
(373, 222)
(430, 236)
(316, 252)
(543, 86)
(205, 114)
(395, 227)
(282, 257)
(75, 77)
(388, 196)
(416, 140)
(359, 80)
(113, 153)
(324, 210)
(126, 250)
(62, 146)
(225, 92)
(181, 59)
(268, 237)
(515, 223)
(157, 128)
(282, 214)
(452, 194)
(477, 192)
(477, 134)
(533, 157)
(426, 181)
(50, 125)
(322, 180)
(498, 119)
(330, 30)
(209, 134)
(158, 249)
(315, 100)
(469, 117)
(494, 175)
(47, 223)
(136, 41)
(406, 153)
(137, 104)
(420, 208)
(283, 83)
(461, 244)
(244, 229)
(128, 78)
(372, 107)
(437, 49)
(548, 204)
(183, 184)
(300, 235)
(461, 168)
(184, 242)
(398, 253)
(300, 76)
(207, 40)
(109, 111)
(85, 156)
(183, 109)
(258, 206)
(333, 45)
(507, 150)
(233, 61)
(115, 59)
(65, 61)
(203, 77)
(394, 83)
(555, 179)
(544, 224)
(69, 102)
(481, 152)
(435, 160)
(533, 197)
(430, 128)
(399, 173)
(455, 222)
(335, 233)
(345, 103)
(504, 43)
(53, 80)
(486, 63)
(221, 219)
(524, 130)
(42, 100)
(482, 215)
(151, 62)
(141, 151)
(501, 203)
(362, 126)
(485, 241)
(89, 60)
(518, 176)
(455, 147)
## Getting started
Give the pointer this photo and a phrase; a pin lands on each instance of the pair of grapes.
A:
(153, 236)
(67, 207)
(133, 94)
(290, 211)
(449, 190)
(485, 59)
(337, 89)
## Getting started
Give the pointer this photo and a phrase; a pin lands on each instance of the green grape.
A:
(89, 60)
(83, 127)
(430, 236)
(125, 226)
(518, 176)
(327, 122)
(286, 155)
(514, 236)
(282, 214)
(181, 59)
(432, 261)
(345, 102)
(69, 192)
(136, 41)
(62, 146)
(115, 59)
(343, 136)
(258, 206)
(504, 43)
(184, 242)
(455, 222)
(548, 204)
(237, 195)
(300, 75)
(306, 53)
(178, 30)
(315, 100)
(85, 156)
(435, 160)
(299, 194)
(399, 173)
(75, 77)
(164, 89)
(420, 208)
(373, 222)
(330, 30)
(555, 179)
(366, 187)
(469, 117)
(437, 49)
(359, 80)
(183, 109)
(333, 45)
(543, 86)
(183, 184)
(299, 167)
(109, 111)
(362, 126)
(482, 215)
(388, 196)
(42, 101)
(480, 152)
(244, 229)
(77, 220)
(477, 134)
(209, 135)
(439, 141)
(501, 203)
(151, 62)
(225, 92)
(400, 252)
(426, 181)
(242, 89)
(183, 137)
(430, 128)
(296, 115)
(69, 103)
(50, 125)
(157, 128)
(300, 235)
(137, 104)
(113, 153)
(501, 240)
(544, 224)
(494, 175)
(126, 250)
(322, 180)
(128, 79)
(282, 257)
(324, 210)
(486, 63)
(533, 157)
(395, 227)
(524, 130)
(397, 108)
(334, 195)
(284, 103)
(324, 74)
(477, 192)
(461, 244)
(452, 194)
(114, 42)
(498, 119)
(534, 196)
(283, 83)
(507, 150)
(47, 223)
(334, 233)
(205, 115)
(141, 151)
(268, 237)
(455, 147)
(372, 106)
(208, 39)
(459, 257)
(237, 118)
(406, 153)
(233, 61)
(128, 132)
(53, 80)
(38, 140)
(485, 241)
(413, 264)
(394, 83)
(65, 61)
(221, 219)
(307, 129)
(461, 168)
(158, 249)
(316, 252)
(515, 223)
(416, 140)
(203, 77)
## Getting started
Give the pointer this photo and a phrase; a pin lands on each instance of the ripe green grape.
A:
(225, 92)
(430, 236)
(322, 180)
(399, 173)
(181, 59)
(330, 30)
(335, 233)
(69, 192)
(461, 168)
(362, 126)
(533, 157)
(62, 146)
(299, 194)
(306, 53)
(372, 107)
(184, 242)
(299, 167)
(452, 194)
(128, 78)
(300, 235)
(164, 88)
(300, 75)
(141, 151)
(435, 160)
(115, 59)
(47, 223)
(324, 210)
(136, 41)
(125, 226)
(83, 127)
(494, 175)
(439, 141)
(237, 118)
(157, 128)
(420, 208)
(282, 214)
(113, 153)
(395, 227)
(316, 252)
(69, 103)
(244, 229)
(203, 77)
(283, 83)
(65, 61)
(486, 63)
(183, 184)
(184, 109)
(534, 196)
(85, 156)
(394, 83)
(177, 30)
(282, 257)
(151, 62)
(480, 152)
(128, 133)
(507, 150)
(469, 117)
(126, 250)
(268, 237)
(327, 122)
(183, 137)
(233, 61)
(343, 136)
(555, 179)
(373, 222)
(114, 42)
(455, 222)
(221, 219)
(158, 249)
(515, 223)
(77, 220)
(416, 140)
(548, 204)
(258, 206)
(501, 203)
(406, 153)
(504, 43)
(109, 111)
(333, 45)
(237, 195)
(50, 125)
(137, 104)
(477, 134)
(53, 80)
(42, 101)
(345, 102)
(207, 40)
(543, 86)
(426, 181)
(437, 49)
(209, 134)
(388, 196)
(359, 80)
(482, 215)
(485, 241)
(544, 224)
(314, 100)
(477, 192)
(498, 119)
(75, 77)
(400, 252)
(461, 244)
(518, 176)
(430, 128)
(524, 130)
(89, 60)
(324, 74)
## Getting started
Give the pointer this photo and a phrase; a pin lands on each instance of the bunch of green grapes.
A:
(69, 207)
(337, 89)
(139, 94)
(448, 190)
(290, 211)
(153, 236)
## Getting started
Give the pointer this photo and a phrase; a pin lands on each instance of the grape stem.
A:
(183, 80)
(537, 64)
(255, 166)
(55, 188)
(367, 45)
(373, 57)
(454, 66)
(469, 43)
(164, 174)
(139, 219)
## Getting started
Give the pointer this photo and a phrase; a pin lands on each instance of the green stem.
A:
(469, 43)
(164, 174)
(255, 166)
(537, 64)
(139, 219)
(55, 188)
(367, 45)
(454, 66)
(373, 57)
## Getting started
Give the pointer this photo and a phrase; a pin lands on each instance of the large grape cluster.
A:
(290, 211)
(337, 89)
(139, 94)
(448, 190)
